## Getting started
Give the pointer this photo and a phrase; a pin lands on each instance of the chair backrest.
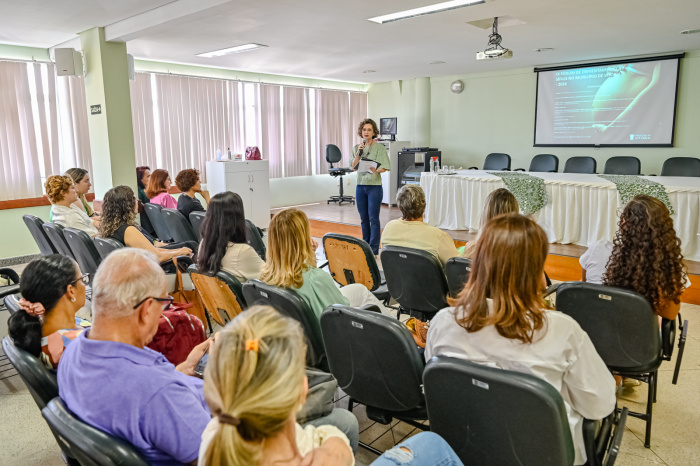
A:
(457, 270)
(289, 303)
(12, 302)
(218, 292)
(544, 163)
(333, 154)
(622, 166)
(494, 416)
(497, 161)
(196, 219)
(580, 165)
(681, 166)
(373, 357)
(84, 250)
(180, 227)
(34, 224)
(106, 245)
(90, 446)
(253, 238)
(40, 381)
(153, 212)
(55, 233)
(350, 260)
(415, 279)
(621, 324)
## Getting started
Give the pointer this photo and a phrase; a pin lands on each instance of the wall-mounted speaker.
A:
(130, 66)
(69, 62)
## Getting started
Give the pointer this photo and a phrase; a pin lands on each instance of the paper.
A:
(365, 164)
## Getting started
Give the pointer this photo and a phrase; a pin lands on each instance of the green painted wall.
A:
(496, 112)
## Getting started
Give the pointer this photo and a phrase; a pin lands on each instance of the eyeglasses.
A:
(85, 278)
(168, 301)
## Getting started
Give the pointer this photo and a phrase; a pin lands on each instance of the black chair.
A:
(289, 303)
(179, 227)
(622, 166)
(496, 161)
(153, 211)
(11, 300)
(83, 249)
(196, 219)
(416, 280)
(457, 271)
(34, 224)
(495, 416)
(11, 288)
(219, 292)
(254, 239)
(107, 245)
(90, 446)
(333, 155)
(375, 360)
(580, 165)
(55, 233)
(625, 332)
(350, 260)
(681, 166)
(543, 163)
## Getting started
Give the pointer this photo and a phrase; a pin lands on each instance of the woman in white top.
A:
(254, 384)
(223, 245)
(500, 319)
(61, 192)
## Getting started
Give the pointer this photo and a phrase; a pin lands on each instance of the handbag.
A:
(178, 333)
(419, 330)
(319, 398)
(191, 298)
(252, 153)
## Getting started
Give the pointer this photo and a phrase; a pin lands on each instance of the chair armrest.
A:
(8, 290)
(10, 274)
(614, 448)
(668, 337)
(473, 168)
(506, 169)
(519, 170)
(371, 307)
(552, 289)
(603, 445)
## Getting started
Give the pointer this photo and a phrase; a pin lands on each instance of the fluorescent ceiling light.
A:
(425, 10)
(230, 50)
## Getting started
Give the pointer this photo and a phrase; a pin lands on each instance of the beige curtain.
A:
(143, 120)
(358, 112)
(332, 126)
(271, 128)
(297, 160)
(73, 124)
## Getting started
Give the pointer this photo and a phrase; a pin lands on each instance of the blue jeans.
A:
(369, 200)
(424, 449)
(345, 421)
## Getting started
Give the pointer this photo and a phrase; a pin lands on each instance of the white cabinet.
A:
(390, 179)
(250, 179)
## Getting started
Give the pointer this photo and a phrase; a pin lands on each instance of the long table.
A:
(582, 209)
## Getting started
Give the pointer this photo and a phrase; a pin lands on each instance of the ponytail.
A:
(25, 331)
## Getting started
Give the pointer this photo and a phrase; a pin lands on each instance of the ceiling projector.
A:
(489, 55)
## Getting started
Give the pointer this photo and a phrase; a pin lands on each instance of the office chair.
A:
(219, 292)
(580, 165)
(333, 155)
(153, 211)
(11, 299)
(254, 239)
(622, 166)
(83, 249)
(543, 163)
(681, 166)
(106, 245)
(34, 224)
(179, 227)
(457, 271)
(495, 416)
(416, 280)
(496, 161)
(54, 232)
(376, 362)
(196, 219)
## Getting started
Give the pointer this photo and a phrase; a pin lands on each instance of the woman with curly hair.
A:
(118, 215)
(188, 182)
(644, 257)
(61, 192)
(157, 189)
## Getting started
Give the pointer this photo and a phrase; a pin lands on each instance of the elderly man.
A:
(109, 379)
(411, 232)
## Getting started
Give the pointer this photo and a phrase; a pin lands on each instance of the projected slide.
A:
(615, 104)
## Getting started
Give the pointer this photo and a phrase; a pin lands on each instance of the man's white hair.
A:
(124, 278)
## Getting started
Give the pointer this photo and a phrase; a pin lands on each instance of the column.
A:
(422, 115)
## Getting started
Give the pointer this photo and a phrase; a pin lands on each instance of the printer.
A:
(413, 161)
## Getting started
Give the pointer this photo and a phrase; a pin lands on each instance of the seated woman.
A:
(81, 178)
(500, 319)
(118, 215)
(501, 201)
(61, 192)
(188, 182)
(291, 263)
(53, 290)
(157, 189)
(410, 231)
(645, 256)
(223, 245)
(143, 174)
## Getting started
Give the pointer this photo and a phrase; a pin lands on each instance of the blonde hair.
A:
(499, 202)
(258, 386)
(77, 175)
(57, 187)
(289, 251)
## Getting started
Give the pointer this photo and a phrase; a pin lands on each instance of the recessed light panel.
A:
(230, 50)
(424, 10)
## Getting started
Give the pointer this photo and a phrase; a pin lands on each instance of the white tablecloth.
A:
(582, 209)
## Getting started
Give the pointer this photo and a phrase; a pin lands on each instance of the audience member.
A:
(143, 175)
(254, 384)
(110, 380)
(118, 215)
(501, 319)
(499, 202)
(81, 178)
(410, 231)
(188, 182)
(61, 193)
(53, 290)
(291, 263)
(223, 245)
(157, 189)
